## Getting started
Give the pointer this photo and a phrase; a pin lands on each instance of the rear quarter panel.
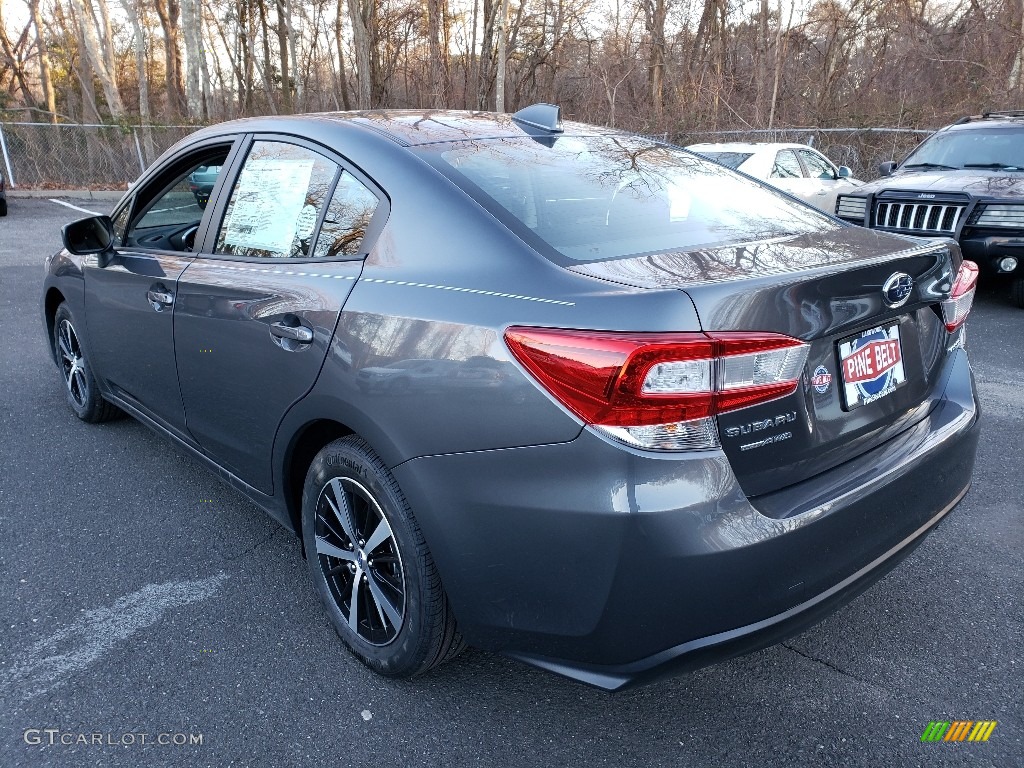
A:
(442, 282)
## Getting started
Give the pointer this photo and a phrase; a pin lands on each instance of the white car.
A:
(794, 168)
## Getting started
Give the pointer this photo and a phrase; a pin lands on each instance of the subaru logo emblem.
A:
(897, 289)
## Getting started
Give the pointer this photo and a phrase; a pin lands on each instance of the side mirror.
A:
(92, 235)
(844, 172)
(886, 169)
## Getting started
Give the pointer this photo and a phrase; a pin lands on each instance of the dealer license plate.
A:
(871, 364)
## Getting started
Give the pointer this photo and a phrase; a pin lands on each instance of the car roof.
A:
(746, 146)
(412, 127)
(980, 122)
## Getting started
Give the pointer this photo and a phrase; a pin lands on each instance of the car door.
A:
(256, 309)
(825, 177)
(787, 174)
(130, 292)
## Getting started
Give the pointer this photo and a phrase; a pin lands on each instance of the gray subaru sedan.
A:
(542, 388)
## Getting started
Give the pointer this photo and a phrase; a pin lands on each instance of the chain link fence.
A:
(860, 149)
(73, 156)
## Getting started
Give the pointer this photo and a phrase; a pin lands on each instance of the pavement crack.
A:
(831, 666)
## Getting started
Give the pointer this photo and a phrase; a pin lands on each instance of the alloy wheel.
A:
(360, 561)
(72, 363)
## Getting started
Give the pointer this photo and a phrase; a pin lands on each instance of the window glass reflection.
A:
(347, 218)
(606, 197)
(276, 201)
(817, 166)
(972, 147)
(787, 166)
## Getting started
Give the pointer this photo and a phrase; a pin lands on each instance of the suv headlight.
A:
(1001, 216)
(848, 207)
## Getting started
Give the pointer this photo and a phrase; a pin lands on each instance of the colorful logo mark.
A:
(821, 380)
(959, 730)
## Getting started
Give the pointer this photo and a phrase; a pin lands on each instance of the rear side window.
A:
(593, 198)
(276, 202)
(352, 206)
(729, 159)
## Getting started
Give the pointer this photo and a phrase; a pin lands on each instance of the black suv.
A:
(965, 181)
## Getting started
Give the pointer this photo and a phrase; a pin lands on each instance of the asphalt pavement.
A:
(144, 602)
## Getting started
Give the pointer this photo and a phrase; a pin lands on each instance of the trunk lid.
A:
(827, 290)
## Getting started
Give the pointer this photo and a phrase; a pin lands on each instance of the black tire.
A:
(1017, 292)
(3, 207)
(403, 624)
(80, 386)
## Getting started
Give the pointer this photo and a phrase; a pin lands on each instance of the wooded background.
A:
(654, 66)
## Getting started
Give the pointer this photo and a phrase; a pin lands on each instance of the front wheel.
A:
(80, 386)
(370, 565)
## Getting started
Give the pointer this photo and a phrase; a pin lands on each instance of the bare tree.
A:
(655, 12)
(362, 17)
(168, 12)
(94, 50)
(45, 78)
(438, 44)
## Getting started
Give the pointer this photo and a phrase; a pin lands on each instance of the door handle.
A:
(160, 299)
(299, 333)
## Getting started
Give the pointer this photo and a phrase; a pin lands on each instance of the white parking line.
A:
(69, 205)
(50, 662)
(175, 208)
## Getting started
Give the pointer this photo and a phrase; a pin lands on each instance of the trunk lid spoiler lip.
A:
(667, 269)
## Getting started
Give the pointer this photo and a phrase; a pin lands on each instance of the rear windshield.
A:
(997, 148)
(593, 198)
(731, 159)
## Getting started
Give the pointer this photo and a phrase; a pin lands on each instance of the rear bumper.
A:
(736, 642)
(617, 567)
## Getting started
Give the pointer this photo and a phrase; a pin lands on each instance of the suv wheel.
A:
(370, 565)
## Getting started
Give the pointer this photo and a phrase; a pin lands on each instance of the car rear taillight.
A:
(658, 390)
(956, 308)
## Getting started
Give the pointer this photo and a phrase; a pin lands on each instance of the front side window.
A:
(786, 165)
(169, 208)
(817, 166)
(120, 223)
(276, 202)
(593, 198)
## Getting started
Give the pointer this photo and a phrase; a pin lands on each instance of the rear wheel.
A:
(370, 565)
(1017, 292)
(79, 384)
(3, 207)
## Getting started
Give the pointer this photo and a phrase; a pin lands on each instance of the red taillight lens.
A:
(956, 308)
(657, 390)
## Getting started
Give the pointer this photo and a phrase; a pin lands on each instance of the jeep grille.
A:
(919, 218)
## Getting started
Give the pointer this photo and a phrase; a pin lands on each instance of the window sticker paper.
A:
(268, 199)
